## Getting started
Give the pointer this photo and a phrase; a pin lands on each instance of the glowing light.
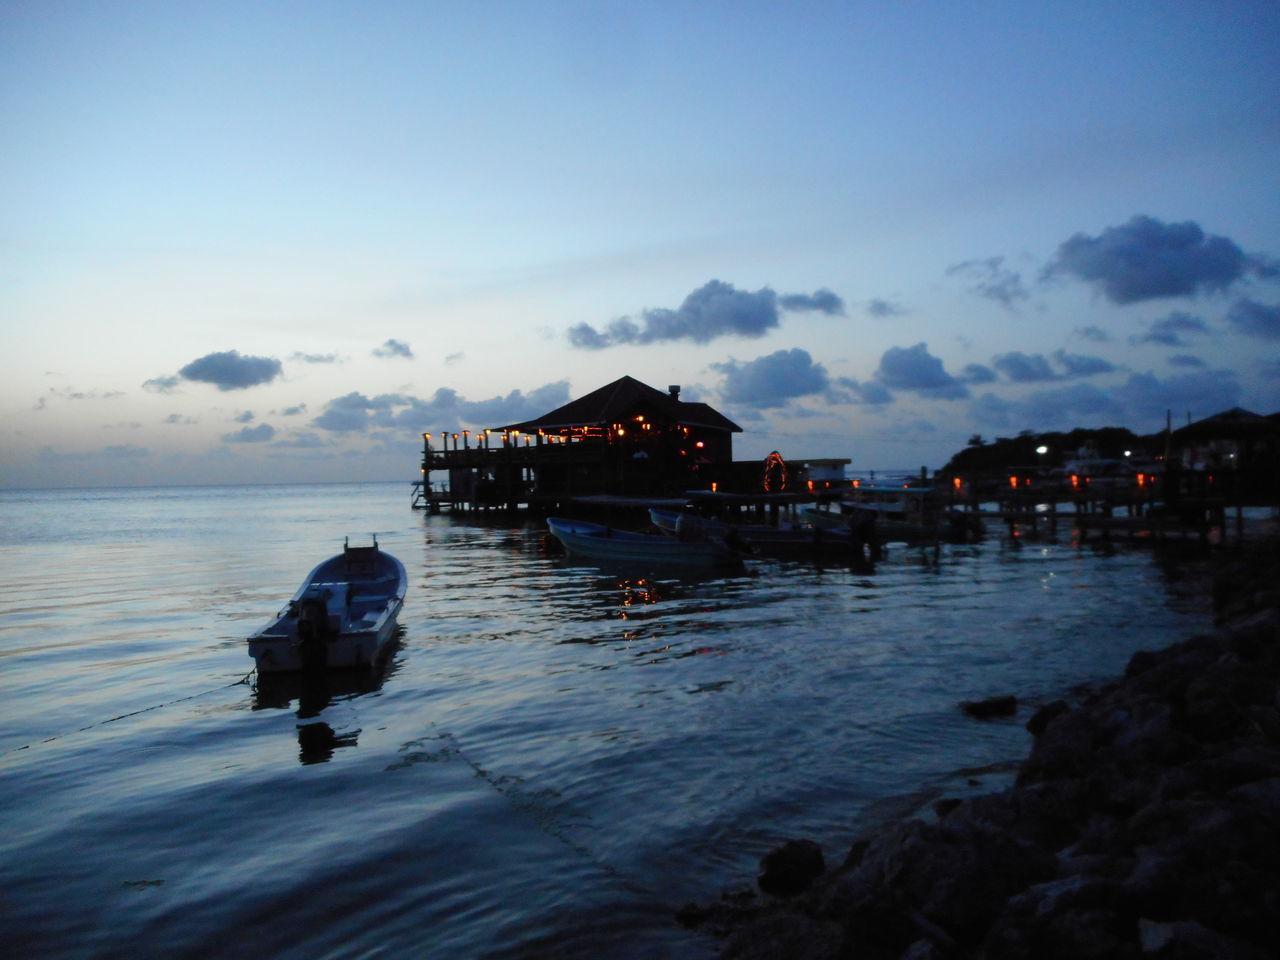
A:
(699, 444)
(1013, 482)
(957, 482)
(714, 485)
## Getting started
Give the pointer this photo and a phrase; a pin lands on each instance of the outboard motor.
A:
(313, 632)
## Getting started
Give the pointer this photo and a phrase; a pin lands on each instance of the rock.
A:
(1005, 706)
(1041, 719)
(786, 934)
(791, 868)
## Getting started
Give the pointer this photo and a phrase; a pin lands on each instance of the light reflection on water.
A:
(555, 757)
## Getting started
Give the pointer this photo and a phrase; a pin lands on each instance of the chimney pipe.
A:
(674, 391)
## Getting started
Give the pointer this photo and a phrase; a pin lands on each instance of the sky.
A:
(278, 241)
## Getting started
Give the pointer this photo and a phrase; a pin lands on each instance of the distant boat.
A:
(896, 512)
(598, 542)
(343, 615)
(780, 541)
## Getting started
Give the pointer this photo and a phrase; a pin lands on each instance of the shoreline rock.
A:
(1145, 822)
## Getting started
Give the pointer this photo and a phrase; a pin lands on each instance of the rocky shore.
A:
(1145, 823)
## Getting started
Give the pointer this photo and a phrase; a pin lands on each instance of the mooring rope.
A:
(133, 713)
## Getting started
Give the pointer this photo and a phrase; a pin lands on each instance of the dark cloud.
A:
(259, 434)
(716, 309)
(231, 371)
(1185, 360)
(314, 357)
(772, 380)
(977, 373)
(294, 411)
(1169, 330)
(355, 412)
(867, 392)
(162, 384)
(1024, 368)
(1147, 259)
(394, 348)
(1096, 334)
(1077, 365)
(1255, 319)
(915, 370)
(823, 301)
(1147, 397)
(883, 308)
(245, 417)
(1070, 406)
(992, 280)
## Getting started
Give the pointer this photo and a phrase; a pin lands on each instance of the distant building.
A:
(626, 438)
(1239, 448)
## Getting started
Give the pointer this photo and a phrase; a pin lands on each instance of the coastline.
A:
(1145, 822)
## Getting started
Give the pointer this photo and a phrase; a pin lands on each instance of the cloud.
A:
(453, 358)
(394, 348)
(354, 412)
(772, 380)
(823, 301)
(314, 357)
(716, 309)
(992, 280)
(1169, 330)
(231, 371)
(245, 417)
(304, 440)
(1205, 392)
(125, 451)
(1096, 334)
(915, 370)
(1078, 365)
(162, 384)
(259, 434)
(1024, 368)
(883, 308)
(867, 392)
(179, 418)
(977, 373)
(1185, 360)
(1070, 406)
(1255, 319)
(1147, 259)
(294, 410)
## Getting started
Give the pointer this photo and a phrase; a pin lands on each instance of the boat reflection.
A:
(311, 693)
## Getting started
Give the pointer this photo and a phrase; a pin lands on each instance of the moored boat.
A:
(599, 542)
(782, 540)
(343, 615)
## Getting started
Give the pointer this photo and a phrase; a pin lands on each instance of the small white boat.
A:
(598, 542)
(784, 540)
(343, 615)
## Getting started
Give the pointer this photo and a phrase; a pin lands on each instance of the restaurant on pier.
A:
(623, 440)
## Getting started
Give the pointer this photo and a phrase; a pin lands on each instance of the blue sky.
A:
(278, 241)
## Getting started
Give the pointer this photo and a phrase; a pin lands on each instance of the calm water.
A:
(554, 760)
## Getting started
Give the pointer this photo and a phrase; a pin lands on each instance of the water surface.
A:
(556, 756)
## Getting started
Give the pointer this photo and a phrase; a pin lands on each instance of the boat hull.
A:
(800, 541)
(344, 615)
(597, 542)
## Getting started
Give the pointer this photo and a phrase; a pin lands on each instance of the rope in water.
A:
(133, 713)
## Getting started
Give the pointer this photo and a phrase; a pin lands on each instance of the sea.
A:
(555, 756)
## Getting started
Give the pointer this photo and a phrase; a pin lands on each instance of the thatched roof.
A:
(1233, 424)
(622, 399)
